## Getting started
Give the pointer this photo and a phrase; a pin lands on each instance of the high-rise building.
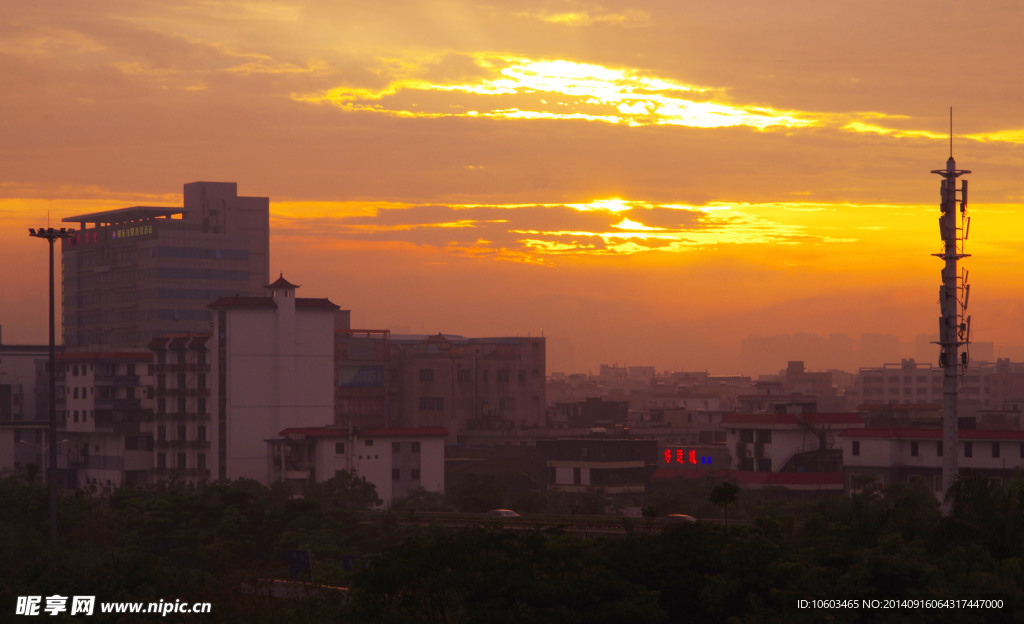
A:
(134, 274)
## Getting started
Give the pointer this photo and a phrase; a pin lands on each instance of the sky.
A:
(643, 182)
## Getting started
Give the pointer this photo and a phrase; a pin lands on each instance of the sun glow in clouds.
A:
(522, 88)
(537, 233)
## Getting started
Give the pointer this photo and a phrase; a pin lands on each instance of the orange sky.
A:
(644, 182)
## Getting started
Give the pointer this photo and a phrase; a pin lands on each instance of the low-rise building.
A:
(876, 457)
(613, 467)
(798, 451)
(396, 461)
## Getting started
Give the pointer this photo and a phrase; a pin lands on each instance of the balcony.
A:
(180, 392)
(111, 404)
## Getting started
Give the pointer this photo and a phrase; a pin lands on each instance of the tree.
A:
(724, 495)
(345, 492)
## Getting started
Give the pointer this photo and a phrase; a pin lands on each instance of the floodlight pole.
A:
(51, 235)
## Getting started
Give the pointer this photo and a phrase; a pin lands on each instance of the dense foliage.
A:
(206, 543)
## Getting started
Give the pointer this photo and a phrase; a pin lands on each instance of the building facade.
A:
(182, 424)
(273, 368)
(467, 383)
(105, 404)
(877, 457)
(134, 274)
(397, 461)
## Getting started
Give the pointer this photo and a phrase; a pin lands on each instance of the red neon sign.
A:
(684, 457)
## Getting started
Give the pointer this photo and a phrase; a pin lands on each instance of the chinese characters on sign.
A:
(681, 456)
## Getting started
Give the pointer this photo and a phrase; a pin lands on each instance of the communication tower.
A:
(954, 324)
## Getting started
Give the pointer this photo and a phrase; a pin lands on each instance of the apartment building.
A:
(396, 461)
(983, 386)
(273, 368)
(182, 423)
(105, 410)
(467, 383)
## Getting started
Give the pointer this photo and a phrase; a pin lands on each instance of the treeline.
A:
(205, 543)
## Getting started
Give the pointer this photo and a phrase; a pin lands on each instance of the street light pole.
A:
(52, 234)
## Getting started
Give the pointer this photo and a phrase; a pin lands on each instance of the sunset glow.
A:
(485, 169)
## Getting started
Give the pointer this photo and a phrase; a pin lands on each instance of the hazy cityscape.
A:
(563, 312)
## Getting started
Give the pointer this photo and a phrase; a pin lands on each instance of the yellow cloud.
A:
(556, 89)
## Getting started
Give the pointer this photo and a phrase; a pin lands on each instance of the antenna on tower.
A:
(950, 131)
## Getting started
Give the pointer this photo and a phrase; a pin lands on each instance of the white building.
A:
(879, 457)
(273, 369)
(396, 461)
(797, 451)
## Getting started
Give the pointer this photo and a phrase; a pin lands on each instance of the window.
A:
(182, 459)
(76, 393)
(339, 448)
(522, 375)
(201, 432)
(201, 461)
(396, 447)
(426, 374)
(161, 432)
(995, 450)
(368, 442)
(415, 447)
(201, 407)
(501, 375)
(507, 403)
(855, 450)
(161, 460)
(464, 375)
(968, 450)
(396, 474)
(913, 448)
(415, 474)
(938, 449)
(431, 404)
(182, 433)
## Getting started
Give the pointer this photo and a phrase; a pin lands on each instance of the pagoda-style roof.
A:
(281, 282)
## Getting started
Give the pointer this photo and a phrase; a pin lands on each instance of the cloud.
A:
(540, 233)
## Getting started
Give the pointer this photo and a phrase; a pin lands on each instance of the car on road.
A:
(502, 513)
(679, 518)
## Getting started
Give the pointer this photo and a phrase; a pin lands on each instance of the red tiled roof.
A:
(418, 432)
(932, 434)
(791, 419)
(305, 303)
(315, 304)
